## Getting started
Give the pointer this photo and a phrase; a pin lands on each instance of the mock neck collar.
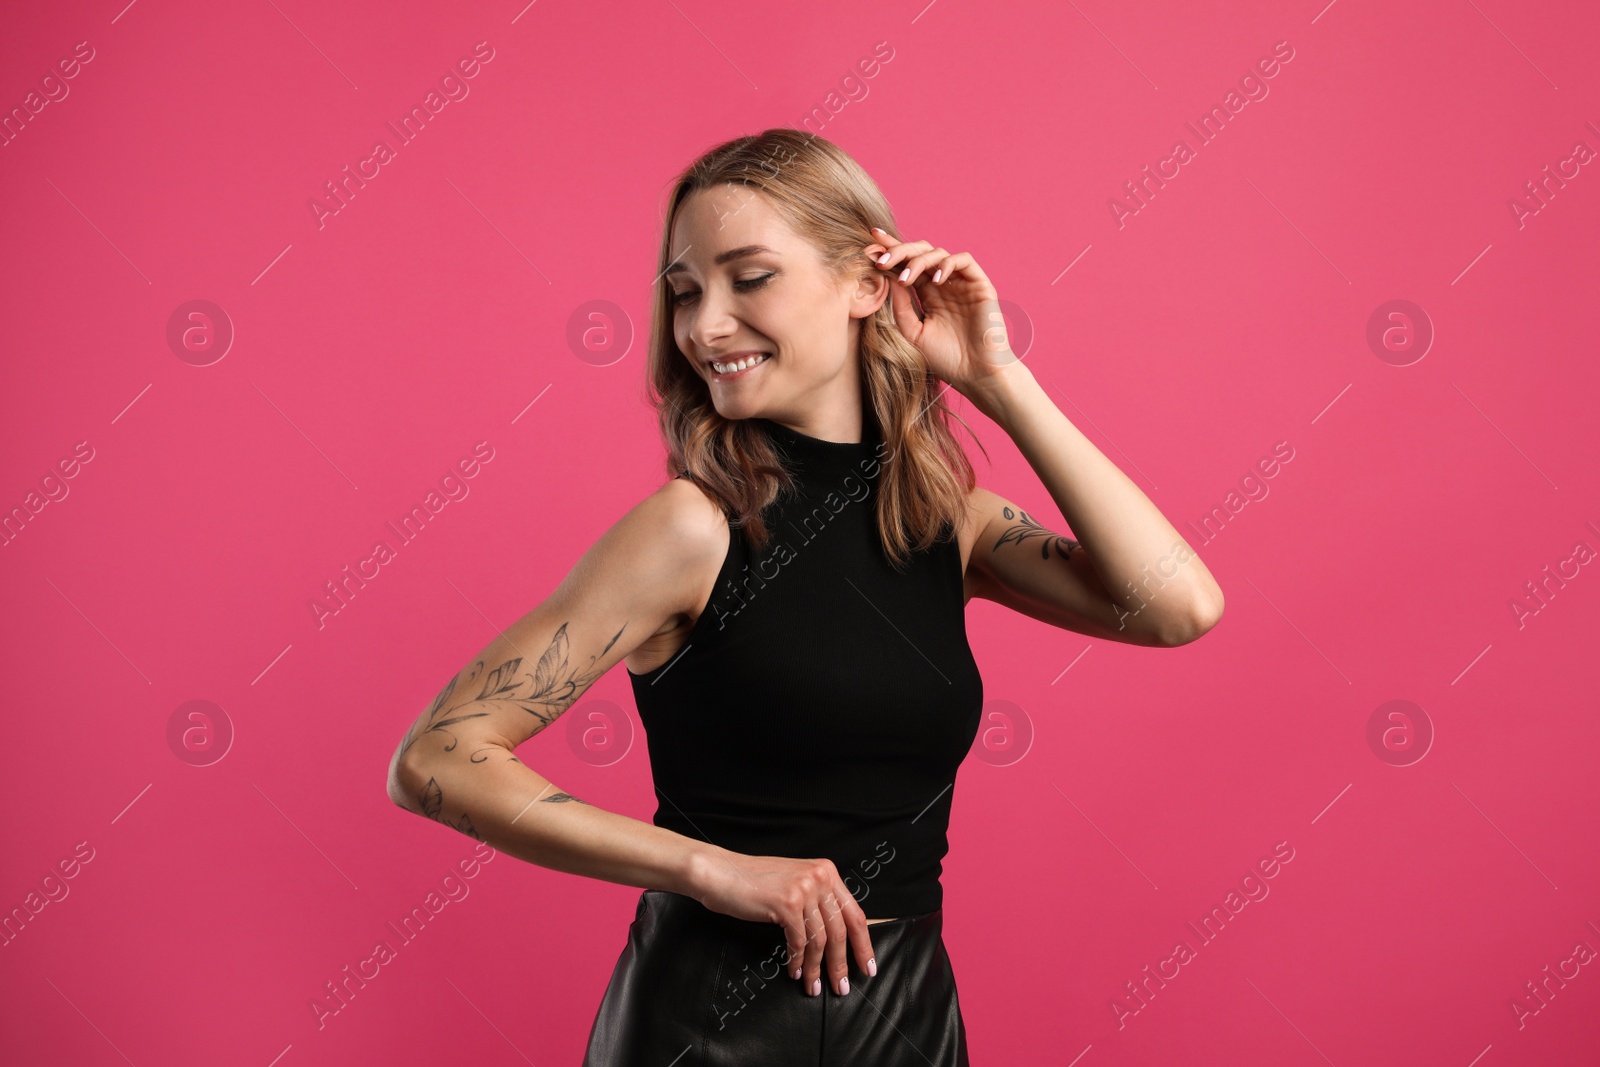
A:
(815, 453)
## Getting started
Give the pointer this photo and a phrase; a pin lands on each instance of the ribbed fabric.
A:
(822, 701)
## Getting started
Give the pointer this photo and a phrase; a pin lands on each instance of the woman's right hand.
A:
(804, 896)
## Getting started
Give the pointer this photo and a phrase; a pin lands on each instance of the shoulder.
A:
(671, 530)
(657, 558)
(691, 524)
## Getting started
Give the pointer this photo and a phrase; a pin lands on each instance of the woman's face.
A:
(769, 294)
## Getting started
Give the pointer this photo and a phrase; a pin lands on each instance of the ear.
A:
(871, 290)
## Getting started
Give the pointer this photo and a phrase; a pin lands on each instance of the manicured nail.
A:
(884, 258)
(796, 974)
(884, 232)
(844, 986)
(905, 274)
(872, 966)
(937, 273)
(816, 988)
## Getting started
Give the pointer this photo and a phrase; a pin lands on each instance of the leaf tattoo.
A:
(548, 690)
(1028, 528)
(552, 687)
(433, 807)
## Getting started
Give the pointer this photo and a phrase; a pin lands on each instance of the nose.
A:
(710, 322)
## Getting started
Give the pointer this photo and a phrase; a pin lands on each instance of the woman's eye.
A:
(745, 286)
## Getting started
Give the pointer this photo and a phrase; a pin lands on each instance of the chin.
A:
(739, 411)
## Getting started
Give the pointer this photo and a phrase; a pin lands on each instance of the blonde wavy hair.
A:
(828, 199)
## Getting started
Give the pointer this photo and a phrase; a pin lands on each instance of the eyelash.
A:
(746, 286)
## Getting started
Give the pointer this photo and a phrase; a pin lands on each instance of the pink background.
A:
(434, 311)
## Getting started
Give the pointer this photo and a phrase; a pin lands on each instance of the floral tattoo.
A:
(1028, 529)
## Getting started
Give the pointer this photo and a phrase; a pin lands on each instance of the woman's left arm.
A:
(1128, 575)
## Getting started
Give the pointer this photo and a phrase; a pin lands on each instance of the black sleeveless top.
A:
(822, 701)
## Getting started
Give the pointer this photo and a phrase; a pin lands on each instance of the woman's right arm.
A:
(457, 763)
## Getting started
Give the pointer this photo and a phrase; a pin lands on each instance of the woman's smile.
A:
(746, 365)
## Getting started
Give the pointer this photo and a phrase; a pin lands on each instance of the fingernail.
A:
(816, 988)
(884, 258)
(938, 273)
(872, 966)
(844, 986)
(796, 974)
(905, 274)
(876, 230)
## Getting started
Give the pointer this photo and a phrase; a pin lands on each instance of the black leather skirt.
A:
(696, 988)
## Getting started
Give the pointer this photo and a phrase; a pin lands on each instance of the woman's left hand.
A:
(963, 338)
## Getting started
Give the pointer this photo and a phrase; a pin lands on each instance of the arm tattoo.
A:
(433, 807)
(545, 692)
(1029, 528)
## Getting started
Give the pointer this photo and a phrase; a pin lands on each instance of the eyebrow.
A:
(726, 257)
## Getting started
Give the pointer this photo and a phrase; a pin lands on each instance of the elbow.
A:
(398, 794)
(402, 785)
(1196, 623)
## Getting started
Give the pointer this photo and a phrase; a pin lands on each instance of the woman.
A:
(791, 610)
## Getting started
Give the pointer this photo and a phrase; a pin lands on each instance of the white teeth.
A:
(743, 364)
